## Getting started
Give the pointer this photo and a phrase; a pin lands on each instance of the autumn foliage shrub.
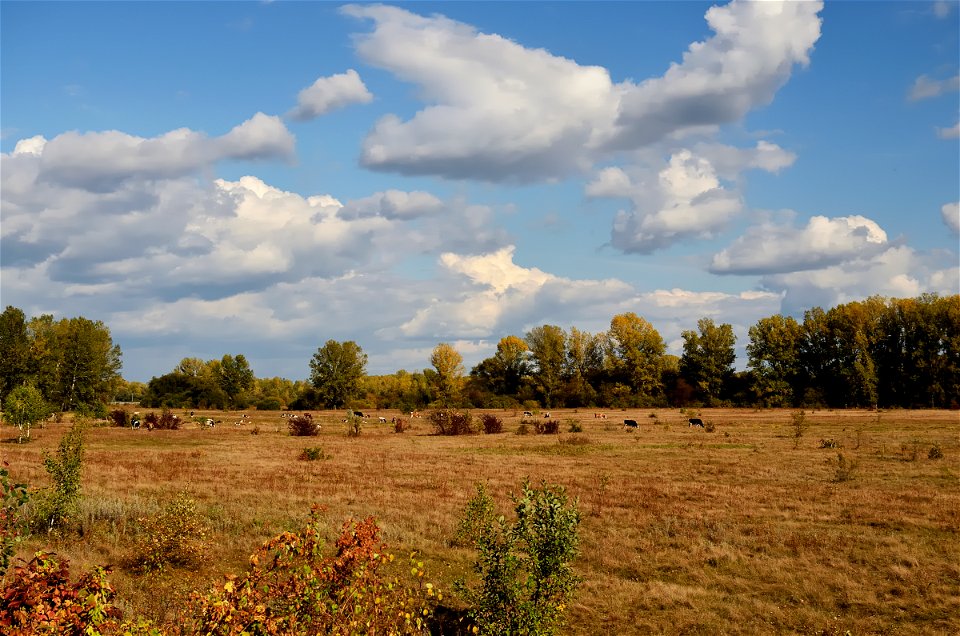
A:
(491, 424)
(176, 536)
(41, 599)
(119, 417)
(303, 426)
(452, 423)
(292, 587)
(546, 427)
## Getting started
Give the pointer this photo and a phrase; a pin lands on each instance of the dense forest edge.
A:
(879, 352)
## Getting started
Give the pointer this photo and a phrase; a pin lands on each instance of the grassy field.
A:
(742, 529)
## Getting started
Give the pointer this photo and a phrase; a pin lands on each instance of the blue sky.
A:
(257, 178)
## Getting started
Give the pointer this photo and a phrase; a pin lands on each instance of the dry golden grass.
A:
(684, 531)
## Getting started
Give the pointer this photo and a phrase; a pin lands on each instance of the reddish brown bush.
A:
(491, 424)
(303, 426)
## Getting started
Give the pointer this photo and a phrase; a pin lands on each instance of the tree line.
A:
(876, 352)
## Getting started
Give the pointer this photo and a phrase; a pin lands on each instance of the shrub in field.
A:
(447, 422)
(13, 498)
(546, 427)
(523, 428)
(354, 426)
(935, 452)
(167, 421)
(798, 426)
(119, 417)
(176, 536)
(303, 426)
(400, 425)
(845, 469)
(524, 572)
(829, 443)
(56, 504)
(291, 587)
(313, 453)
(491, 424)
(41, 600)
(710, 427)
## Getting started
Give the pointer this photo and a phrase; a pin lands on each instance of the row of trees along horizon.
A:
(900, 352)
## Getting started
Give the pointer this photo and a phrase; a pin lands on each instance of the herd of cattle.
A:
(693, 421)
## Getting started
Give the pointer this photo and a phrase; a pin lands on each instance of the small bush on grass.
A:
(547, 427)
(400, 425)
(829, 443)
(575, 426)
(935, 452)
(313, 453)
(13, 499)
(58, 503)
(525, 577)
(292, 588)
(176, 536)
(119, 417)
(41, 599)
(845, 469)
(709, 427)
(354, 426)
(303, 426)
(491, 424)
(798, 426)
(523, 428)
(447, 422)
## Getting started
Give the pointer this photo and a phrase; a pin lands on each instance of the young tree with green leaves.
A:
(235, 377)
(336, 370)
(23, 408)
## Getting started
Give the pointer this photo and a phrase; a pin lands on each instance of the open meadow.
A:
(741, 527)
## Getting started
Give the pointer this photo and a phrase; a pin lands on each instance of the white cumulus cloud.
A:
(330, 93)
(951, 216)
(100, 161)
(823, 242)
(496, 110)
(687, 200)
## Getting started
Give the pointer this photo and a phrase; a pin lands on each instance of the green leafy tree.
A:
(78, 363)
(505, 371)
(772, 355)
(524, 568)
(634, 355)
(583, 366)
(23, 408)
(548, 345)
(14, 350)
(336, 371)
(448, 377)
(708, 357)
(235, 377)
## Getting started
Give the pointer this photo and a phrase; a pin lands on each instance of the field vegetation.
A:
(761, 522)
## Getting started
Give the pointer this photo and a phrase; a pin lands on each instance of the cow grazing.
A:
(630, 424)
(527, 414)
(358, 414)
(696, 421)
(383, 420)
